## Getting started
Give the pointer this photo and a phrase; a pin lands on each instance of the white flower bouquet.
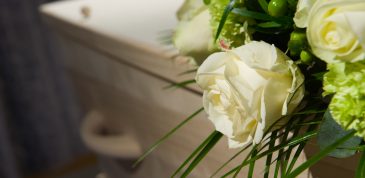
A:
(274, 74)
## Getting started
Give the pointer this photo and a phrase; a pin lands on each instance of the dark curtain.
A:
(39, 118)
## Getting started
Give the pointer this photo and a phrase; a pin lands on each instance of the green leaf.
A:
(181, 84)
(225, 14)
(195, 152)
(309, 112)
(360, 172)
(261, 16)
(263, 5)
(330, 131)
(168, 134)
(217, 136)
(314, 159)
(319, 75)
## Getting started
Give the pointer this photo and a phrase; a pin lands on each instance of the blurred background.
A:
(70, 87)
(39, 115)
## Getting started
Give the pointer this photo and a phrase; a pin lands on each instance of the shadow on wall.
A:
(39, 118)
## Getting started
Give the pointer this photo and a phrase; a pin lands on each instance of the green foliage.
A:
(314, 159)
(329, 132)
(346, 82)
(228, 27)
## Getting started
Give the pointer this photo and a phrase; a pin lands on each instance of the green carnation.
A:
(347, 82)
(234, 32)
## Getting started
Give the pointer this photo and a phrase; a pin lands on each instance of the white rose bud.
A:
(194, 35)
(336, 30)
(248, 89)
(189, 9)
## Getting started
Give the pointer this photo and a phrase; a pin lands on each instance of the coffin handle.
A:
(122, 146)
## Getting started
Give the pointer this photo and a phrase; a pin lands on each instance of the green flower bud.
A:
(306, 57)
(277, 8)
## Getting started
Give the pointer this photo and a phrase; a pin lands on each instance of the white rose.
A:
(336, 30)
(301, 15)
(193, 36)
(247, 89)
(189, 9)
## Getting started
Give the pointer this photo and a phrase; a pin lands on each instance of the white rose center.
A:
(333, 38)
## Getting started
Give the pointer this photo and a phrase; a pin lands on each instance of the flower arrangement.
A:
(277, 70)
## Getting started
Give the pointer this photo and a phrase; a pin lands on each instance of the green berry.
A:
(306, 57)
(277, 8)
(297, 42)
(298, 36)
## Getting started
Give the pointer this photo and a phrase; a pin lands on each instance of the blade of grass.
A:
(168, 134)
(309, 112)
(194, 153)
(269, 156)
(230, 172)
(188, 72)
(225, 14)
(300, 149)
(180, 84)
(278, 162)
(360, 172)
(234, 156)
(319, 156)
(252, 164)
(281, 151)
(228, 161)
(296, 156)
(288, 152)
(245, 160)
(217, 136)
(291, 142)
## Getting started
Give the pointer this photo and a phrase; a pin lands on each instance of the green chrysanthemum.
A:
(234, 32)
(347, 82)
